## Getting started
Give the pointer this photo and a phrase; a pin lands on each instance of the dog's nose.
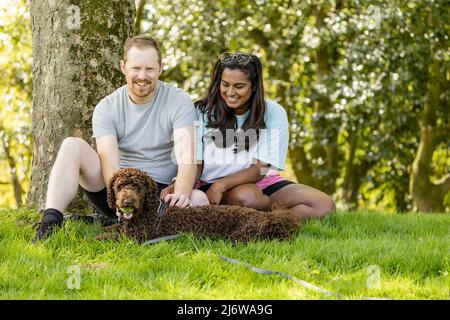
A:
(127, 202)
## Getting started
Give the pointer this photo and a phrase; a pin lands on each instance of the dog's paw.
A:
(111, 227)
(107, 236)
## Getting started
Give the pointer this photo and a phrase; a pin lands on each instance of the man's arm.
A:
(170, 188)
(108, 150)
(187, 169)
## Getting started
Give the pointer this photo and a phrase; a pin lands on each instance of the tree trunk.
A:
(6, 143)
(139, 13)
(355, 170)
(350, 186)
(77, 46)
(428, 196)
(297, 154)
(325, 146)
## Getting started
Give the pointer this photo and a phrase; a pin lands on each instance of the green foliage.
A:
(15, 97)
(336, 253)
(368, 61)
(378, 54)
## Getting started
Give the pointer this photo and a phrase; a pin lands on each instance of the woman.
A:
(242, 142)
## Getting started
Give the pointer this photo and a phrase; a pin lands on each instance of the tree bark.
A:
(428, 196)
(77, 46)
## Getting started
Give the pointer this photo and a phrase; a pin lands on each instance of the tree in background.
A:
(430, 55)
(76, 51)
(15, 102)
(352, 96)
(364, 84)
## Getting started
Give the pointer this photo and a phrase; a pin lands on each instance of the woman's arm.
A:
(252, 174)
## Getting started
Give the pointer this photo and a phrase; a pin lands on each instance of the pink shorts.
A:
(269, 180)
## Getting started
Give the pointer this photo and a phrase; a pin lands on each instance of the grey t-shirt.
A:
(145, 132)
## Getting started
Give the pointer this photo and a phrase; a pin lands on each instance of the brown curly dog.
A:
(134, 195)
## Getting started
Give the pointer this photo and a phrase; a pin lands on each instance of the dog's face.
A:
(131, 192)
(129, 198)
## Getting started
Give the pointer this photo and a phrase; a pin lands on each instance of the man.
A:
(139, 125)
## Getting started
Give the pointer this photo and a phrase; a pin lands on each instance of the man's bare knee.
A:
(76, 155)
(72, 146)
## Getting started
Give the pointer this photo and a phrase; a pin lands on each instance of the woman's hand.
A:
(215, 192)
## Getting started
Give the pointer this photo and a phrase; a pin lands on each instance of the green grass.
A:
(410, 252)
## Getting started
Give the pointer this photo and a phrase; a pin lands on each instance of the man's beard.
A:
(138, 92)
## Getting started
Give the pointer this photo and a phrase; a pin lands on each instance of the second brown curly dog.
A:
(134, 195)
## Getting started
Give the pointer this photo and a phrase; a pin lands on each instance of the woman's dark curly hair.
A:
(221, 117)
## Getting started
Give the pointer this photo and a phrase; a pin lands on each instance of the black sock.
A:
(52, 216)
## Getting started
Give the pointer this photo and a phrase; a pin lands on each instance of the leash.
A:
(291, 277)
(304, 283)
(166, 238)
(283, 274)
(162, 210)
(159, 214)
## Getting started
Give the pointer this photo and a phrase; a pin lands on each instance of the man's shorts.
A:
(100, 202)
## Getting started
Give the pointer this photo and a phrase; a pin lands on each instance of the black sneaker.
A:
(44, 230)
(106, 221)
(78, 217)
(92, 218)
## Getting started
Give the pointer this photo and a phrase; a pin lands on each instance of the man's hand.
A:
(177, 200)
(215, 192)
(167, 190)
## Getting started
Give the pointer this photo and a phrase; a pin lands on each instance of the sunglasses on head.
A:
(240, 58)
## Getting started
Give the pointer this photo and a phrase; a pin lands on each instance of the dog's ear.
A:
(150, 193)
(111, 196)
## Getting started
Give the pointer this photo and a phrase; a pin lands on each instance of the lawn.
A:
(348, 255)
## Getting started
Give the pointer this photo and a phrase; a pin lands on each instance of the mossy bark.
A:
(77, 47)
(429, 196)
